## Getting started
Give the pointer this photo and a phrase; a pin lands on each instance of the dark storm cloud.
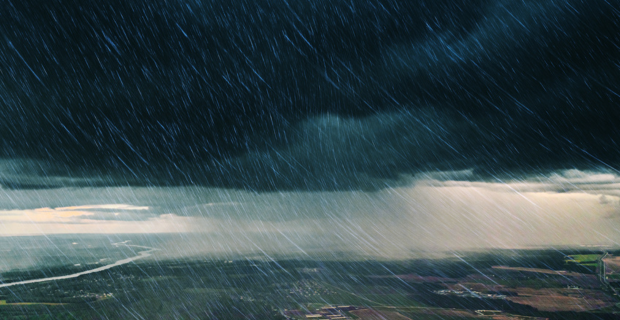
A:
(309, 95)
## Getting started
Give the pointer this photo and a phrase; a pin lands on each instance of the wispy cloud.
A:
(103, 207)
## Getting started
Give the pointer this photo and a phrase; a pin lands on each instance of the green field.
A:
(584, 259)
(367, 300)
(4, 303)
(425, 316)
(426, 313)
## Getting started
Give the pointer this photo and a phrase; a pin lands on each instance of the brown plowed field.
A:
(613, 264)
(561, 299)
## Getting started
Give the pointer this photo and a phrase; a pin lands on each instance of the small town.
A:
(329, 312)
(470, 294)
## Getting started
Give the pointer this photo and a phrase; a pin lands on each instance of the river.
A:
(141, 255)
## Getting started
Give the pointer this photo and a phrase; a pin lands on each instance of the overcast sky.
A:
(380, 126)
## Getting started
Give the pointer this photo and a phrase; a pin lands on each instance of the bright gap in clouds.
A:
(432, 212)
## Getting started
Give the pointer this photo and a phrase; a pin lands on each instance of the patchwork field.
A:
(491, 286)
(612, 264)
(562, 299)
(369, 314)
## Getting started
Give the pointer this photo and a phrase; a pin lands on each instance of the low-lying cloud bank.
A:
(570, 208)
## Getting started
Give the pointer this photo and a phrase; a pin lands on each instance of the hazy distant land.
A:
(568, 283)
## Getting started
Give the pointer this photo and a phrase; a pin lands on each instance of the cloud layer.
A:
(432, 213)
(304, 95)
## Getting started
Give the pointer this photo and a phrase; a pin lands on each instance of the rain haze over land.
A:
(340, 129)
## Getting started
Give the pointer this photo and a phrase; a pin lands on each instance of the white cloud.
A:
(104, 207)
(32, 224)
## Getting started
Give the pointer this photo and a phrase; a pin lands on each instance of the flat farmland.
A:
(370, 314)
(538, 270)
(612, 264)
(437, 313)
(562, 299)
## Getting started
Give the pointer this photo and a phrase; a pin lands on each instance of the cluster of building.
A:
(325, 313)
(470, 294)
(308, 288)
(98, 296)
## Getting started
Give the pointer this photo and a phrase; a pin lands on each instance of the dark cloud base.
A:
(313, 95)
